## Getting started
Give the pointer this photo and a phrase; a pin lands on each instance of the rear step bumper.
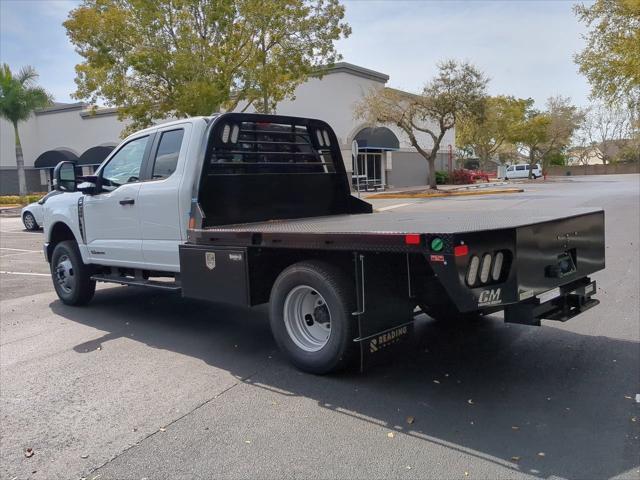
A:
(573, 299)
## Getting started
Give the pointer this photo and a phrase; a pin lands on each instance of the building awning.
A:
(380, 138)
(51, 158)
(95, 155)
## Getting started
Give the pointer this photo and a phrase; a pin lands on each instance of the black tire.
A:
(29, 221)
(336, 291)
(71, 277)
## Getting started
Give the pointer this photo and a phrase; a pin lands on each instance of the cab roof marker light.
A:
(412, 239)
(486, 268)
(472, 272)
(461, 250)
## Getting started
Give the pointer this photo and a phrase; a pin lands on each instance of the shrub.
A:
(442, 177)
(20, 200)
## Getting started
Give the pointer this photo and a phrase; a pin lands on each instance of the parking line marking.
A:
(20, 254)
(18, 249)
(25, 273)
(391, 207)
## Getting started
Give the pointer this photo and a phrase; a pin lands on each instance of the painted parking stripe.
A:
(391, 207)
(25, 273)
(20, 254)
(19, 249)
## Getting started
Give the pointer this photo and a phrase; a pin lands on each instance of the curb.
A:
(444, 194)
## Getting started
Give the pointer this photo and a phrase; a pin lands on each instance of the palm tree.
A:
(19, 97)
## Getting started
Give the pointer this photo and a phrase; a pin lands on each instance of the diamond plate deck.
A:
(400, 223)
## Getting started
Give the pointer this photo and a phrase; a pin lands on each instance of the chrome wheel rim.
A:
(64, 274)
(307, 318)
(29, 221)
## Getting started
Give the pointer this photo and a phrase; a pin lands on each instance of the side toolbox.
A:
(216, 274)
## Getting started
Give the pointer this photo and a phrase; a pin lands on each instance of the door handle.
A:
(127, 201)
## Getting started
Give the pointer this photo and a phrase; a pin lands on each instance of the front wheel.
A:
(71, 277)
(311, 317)
(29, 221)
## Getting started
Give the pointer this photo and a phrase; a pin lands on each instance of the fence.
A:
(613, 168)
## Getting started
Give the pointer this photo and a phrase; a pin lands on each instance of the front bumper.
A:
(572, 300)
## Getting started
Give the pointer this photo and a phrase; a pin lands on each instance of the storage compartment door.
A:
(215, 274)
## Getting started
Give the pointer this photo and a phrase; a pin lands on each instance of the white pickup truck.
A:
(249, 209)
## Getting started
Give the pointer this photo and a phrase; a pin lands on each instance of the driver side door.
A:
(111, 218)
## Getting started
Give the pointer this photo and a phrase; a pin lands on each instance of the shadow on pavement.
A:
(542, 401)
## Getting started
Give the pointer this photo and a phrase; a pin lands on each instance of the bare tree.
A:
(604, 129)
(458, 89)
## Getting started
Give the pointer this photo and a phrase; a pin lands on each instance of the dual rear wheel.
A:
(311, 317)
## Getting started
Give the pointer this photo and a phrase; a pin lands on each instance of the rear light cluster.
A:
(487, 268)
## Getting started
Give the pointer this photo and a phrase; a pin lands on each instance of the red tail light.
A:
(461, 250)
(412, 239)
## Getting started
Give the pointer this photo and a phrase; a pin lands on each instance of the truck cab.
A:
(134, 211)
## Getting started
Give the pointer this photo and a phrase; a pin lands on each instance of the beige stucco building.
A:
(73, 132)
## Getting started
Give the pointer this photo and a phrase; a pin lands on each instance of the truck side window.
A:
(520, 167)
(124, 166)
(167, 155)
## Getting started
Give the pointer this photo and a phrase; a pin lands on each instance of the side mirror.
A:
(89, 185)
(64, 177)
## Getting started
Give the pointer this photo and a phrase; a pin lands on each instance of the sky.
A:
(526, 48)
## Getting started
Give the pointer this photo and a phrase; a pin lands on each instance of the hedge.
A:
(20, 200)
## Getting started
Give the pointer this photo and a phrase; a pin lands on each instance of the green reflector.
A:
(437, 244)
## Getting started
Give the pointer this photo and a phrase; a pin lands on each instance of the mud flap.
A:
(385, 307)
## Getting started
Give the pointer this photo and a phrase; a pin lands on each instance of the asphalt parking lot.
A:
(140, 384)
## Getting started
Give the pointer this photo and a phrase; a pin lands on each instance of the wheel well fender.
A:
(266, 264)
(59, 233)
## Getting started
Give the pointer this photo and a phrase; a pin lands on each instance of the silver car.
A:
(32, 213)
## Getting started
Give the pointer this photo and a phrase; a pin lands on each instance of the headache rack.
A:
(264, 167)
(274, 148)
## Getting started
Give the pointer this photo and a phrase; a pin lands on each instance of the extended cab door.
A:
(162, 222)
(111, 218)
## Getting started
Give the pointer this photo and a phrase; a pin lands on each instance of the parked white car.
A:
(522, 171)
(32, 214)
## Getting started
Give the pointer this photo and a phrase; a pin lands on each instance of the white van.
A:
(522, 171)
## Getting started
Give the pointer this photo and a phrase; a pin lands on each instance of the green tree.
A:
(194, 57)
(551, 130)
(292, 39)
(458, 90)
(555, 157)
(486, 134)
(611, 58)
(19, 97)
